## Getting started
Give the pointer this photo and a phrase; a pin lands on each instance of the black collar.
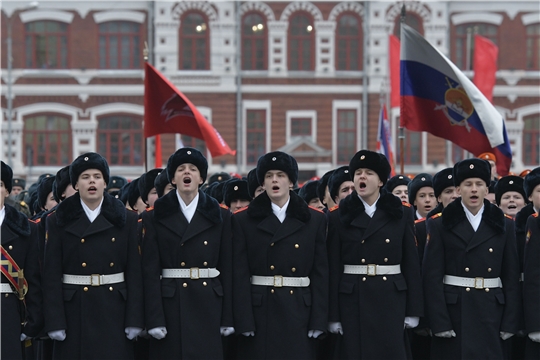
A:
(261, 207)
(351, 207)
(454, 213)
(17, 221)
(207, 206)
(70, 209)
(522, 216)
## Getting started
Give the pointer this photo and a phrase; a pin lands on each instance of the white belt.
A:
(93, 280)
(372, 269)
(193, 273)
(477, 282)
(5, 288)
(280, 281)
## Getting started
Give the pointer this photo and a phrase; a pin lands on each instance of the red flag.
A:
(167, 110)
(159, 162)
(394, 71)
(485, 65)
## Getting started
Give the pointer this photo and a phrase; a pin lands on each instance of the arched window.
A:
(47, 140)
(462, 46)
(413, 20)
(254, 42)
(531, 142)
(194, 42)
(119, 45)
(348, 42)
(46, 45)
(301, 42)
(120, 139)
(533, 47)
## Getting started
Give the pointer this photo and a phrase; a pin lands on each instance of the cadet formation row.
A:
(352, 266)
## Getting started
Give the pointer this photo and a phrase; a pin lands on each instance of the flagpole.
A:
(401, 129)
(145, 56)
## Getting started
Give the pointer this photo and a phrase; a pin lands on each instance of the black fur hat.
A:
(421, 180)
(7, 176)
(253, 183)
(116, 182)
(442, 180)
(160, 182)
(90, 160)
(531, 181)
(146, 182)
(339, 176)
(509, 183)
(219, 177)
(367, 159)
(123, 193)
(396, 181)
(472, 168)
(61, 182)
(217, 191)
(43, 176)
(277, 160)
(308, 192)
(45, 187)
(133, 192)
(184, 156)
(323, 183)
(19, 182)
(235, 189)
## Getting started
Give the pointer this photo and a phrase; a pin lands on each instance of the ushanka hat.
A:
(7, 176)
(509, 183)
(116, 182)
(160, 182)
(277, 160)
(19, 182)
(45, 187)
(367, 159)
(235, 189)
(253, 183)
(146, 182)
(218, 177)
(323, 183)
(396, 181)
(339, 176)
(90, 160)
(61, 182)
(531, 181)
(421, 180)
(472, 168)
(308, 192)
(187, 155)
(442, 180)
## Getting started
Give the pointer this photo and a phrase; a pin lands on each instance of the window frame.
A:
(32, 63)
(461, 62)
(532, 144)
(46, 141)
(253, 38)
(311, 37)
(300, 114)
(534, 39)
(137, 121)
(134, 47)
(358, 38)
(182, 36)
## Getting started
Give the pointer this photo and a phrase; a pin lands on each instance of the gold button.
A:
(182, 244)
(490, 250)
(271, 267)
(489, 269)
(487, 289)
(83, 264)
(111, 264)
(7, 295)
(467, 289)
(293, 269)
(466, 269)
(384, 278)
(184, 284)
(204, 283)
(272, 244)
(182, 264)
(205, 242)
(205, 263)
(113, 239)
(111, 288)
(363, 241)
(272, 291)
(296, 246)
(364, 279)
(85, 288)
(363, 261)
(292, 292)
(10, 247)
(387, 241)
(385, 259)
(82, 241)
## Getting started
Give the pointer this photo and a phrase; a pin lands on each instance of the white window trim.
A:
(256, 105)
(54, 15)
(126, 15)
(532, 18)
(482, 17)
(301, 114)
(345, 105)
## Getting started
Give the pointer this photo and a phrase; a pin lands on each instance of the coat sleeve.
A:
(153, 304)
(319, 279)
(410, 267)
(433, 272)
(510, 278)
(34, 311)
(135, 301)
(244, 320)
(531, 272)
(225, 266)
(335, 266)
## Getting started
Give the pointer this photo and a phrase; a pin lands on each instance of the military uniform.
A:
(279, 315)
(191, 309)
(372, 309)
(531, 285)
(94, 317)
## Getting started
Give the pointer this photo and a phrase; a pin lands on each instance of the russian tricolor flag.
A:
(438, 98)
(384, 139)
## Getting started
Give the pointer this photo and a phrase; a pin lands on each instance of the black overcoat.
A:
(372, 310)
(94, 317)
(477, 316)
(263, 246)
(191, 310)
(531, 284)
(19, 239)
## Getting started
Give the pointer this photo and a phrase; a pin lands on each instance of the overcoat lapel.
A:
(289, 226)
(79, 226)
(483, 234)
(7, 235)
(378, 220)
(464, 231)
(198, 224)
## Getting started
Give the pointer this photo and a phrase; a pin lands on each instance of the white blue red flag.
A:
(438, 98)
(384, 139)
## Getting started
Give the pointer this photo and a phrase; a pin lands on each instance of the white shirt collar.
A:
(188, 210)
(418, 216)
(370, 209)
(2, 215)
(92, 214)
(281, 213)
(473, 219)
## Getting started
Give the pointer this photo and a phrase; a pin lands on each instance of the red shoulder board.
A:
(508, 217)
(150, 208)
(437, 215)
(419, 220)
(224, 206)
(52, 212)
(406, 204)
(140, 220)
(240, 210)
(35, 221)
(535, 215)
(334, 208)
(311, 207)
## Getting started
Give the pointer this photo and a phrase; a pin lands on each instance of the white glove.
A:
(58, 335)
(411, 322)
(249, 333)
(132, 332)
(335, 328)
(505, 335)
(446, 334)
(535, 336)
(158, 332)
(24, 337)
(314, 333)
(226, 330)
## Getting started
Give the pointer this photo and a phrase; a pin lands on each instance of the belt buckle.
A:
(194, 273)
(97, 281)
(478, 282)
(278, 281)
(371, 270)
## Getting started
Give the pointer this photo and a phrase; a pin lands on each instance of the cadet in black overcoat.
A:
(93, 301)
(187, 266)
(471, 271)
(375, 284)
(19, 241)
(280, 268)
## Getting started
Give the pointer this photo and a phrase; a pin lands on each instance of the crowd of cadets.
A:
(354, 265)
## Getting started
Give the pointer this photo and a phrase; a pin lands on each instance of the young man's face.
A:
(277, 186)
(448, 195)
(68, 192)
(258, 191)
(535, 197)
(316, 203)
(152, 197)
(472, 192)
(425, 200)
(168, 188)
(511, 203)
(51, 202)
(493, 169)
(345, 189)
(91, 185)
(402, 192)
(16, 190)
(327, 200)
(187, 179)
(238, 204)
(367, 183)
